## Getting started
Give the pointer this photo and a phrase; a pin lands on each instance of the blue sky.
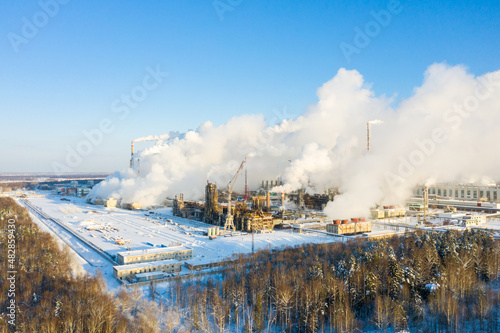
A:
(262, 56)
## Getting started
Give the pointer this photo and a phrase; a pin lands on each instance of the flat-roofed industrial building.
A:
(131, 271)
(148, 255)
(490, 193)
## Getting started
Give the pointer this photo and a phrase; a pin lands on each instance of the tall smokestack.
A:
(268, 201)
(132, 155)
(247, 193)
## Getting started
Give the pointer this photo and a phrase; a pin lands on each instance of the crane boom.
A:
(229, 219)
(236, 175)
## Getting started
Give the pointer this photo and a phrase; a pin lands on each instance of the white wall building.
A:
(490, 193)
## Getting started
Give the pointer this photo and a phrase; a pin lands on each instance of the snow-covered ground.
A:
(145, 229)
(139, 230)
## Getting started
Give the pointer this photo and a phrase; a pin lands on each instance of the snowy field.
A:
(107, 228)
(84, 259)
(145, 229)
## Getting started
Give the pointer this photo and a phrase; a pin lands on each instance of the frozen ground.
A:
(85, 259)
(143, 229)
(146, 229)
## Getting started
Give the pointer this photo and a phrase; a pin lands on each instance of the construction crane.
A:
(229, 218)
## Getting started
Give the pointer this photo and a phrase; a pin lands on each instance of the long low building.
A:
(491, 207)
(490, 193)
(131, 271)
(155, 254)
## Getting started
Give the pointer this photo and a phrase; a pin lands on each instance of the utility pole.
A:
(253, 242)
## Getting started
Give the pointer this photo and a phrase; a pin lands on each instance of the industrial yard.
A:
(164, 242)
(115, 230)
(134, 245)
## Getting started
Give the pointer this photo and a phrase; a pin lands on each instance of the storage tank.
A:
(337, 222)
(355, 220)
(362, 219)
(345, 221)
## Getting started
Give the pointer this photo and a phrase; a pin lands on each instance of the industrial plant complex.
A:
(179, 237)
(144, 244)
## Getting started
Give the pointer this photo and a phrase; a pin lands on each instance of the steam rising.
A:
(447, 131)
(153, 138)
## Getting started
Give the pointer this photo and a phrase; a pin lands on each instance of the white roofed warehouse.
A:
(131, 271)
(148, 255)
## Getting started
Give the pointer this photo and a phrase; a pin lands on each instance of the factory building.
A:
(211, 211)
(142, 256)
(143, 271)
(111, 202)
(387, 212)
(343, 227)
(178, 208)
(453, 204)
(462, 192)
(254, 221)
(256, 218)
(474, 220)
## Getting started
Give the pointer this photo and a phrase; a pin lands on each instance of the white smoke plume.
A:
(153, 138)
(446, 131)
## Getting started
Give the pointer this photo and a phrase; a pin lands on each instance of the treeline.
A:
(422, 282)
(12, 186)
(425, 282)
(48, 297)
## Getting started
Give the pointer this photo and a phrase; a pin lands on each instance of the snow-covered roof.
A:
(153, 251)
(148, 274)
(146, 264)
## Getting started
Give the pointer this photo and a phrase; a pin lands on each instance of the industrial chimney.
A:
(132, 155)
(268, 201)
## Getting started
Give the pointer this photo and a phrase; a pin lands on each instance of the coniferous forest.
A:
(48, 297)
(419, 282)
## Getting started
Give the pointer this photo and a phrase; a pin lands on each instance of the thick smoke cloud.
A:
(446, 131)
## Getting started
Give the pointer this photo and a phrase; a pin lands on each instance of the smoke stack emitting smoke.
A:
(153, 138)
(446, 131)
